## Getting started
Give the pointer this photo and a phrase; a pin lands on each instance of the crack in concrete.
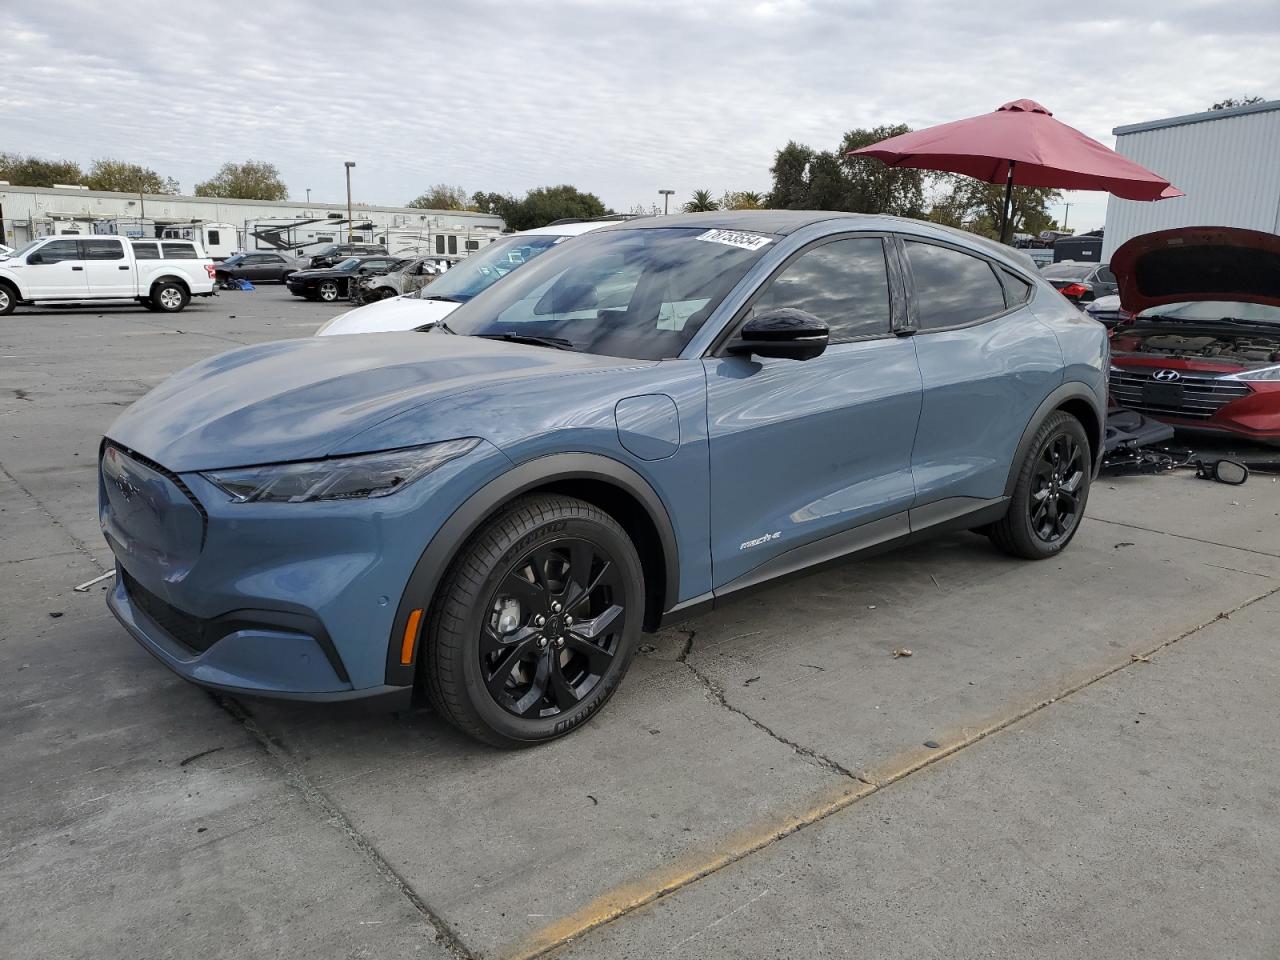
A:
(717, 696)
(296, 777)
(80, 546)
(1183, 536)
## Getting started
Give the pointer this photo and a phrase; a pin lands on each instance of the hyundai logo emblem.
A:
(1167, 376)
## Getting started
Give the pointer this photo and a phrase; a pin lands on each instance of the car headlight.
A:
(342, 478)
(1262, 373)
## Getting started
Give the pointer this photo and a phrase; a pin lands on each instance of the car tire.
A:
(169, 297)
(516, 658)
(8, 300)
(1049, 499)
(328, 291)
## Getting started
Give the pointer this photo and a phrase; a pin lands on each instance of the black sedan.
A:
(332, 283)
(258, 267)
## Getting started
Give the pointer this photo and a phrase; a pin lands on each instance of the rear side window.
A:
(1016, 290)
(146, 251)
(1105, 275)
(59, 251)
(951, 288)
(101, 250)
(844, 283)
(178, 251)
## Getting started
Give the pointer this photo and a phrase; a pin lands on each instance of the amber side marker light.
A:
(410, 636)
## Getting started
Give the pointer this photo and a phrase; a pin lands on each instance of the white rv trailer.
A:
(453, 242)
(220, 240)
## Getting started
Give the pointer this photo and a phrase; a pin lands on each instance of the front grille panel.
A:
(1203, 395)
(168, 474)
(192, 632)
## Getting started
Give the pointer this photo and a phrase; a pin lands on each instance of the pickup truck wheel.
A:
(329, 291)
(535, 623)
(169, 297)
(7, 301)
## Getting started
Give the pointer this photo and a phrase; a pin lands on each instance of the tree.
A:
(1235, 102)
(545, 205)
(977, 205)
(645, 210)
(741, 200)
(125, 177)
(790, 177)
(37, 172)
(443, 197)
(251, 180)
(700, 202)
(805, 179)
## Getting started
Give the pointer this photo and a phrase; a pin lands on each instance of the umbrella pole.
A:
(1006, 212)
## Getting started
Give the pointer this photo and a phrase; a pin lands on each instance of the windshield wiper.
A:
(558, 343)
(438, 297)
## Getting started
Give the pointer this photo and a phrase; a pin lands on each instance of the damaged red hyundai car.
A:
(1202, 352)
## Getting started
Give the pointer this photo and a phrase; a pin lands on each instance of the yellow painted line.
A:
(632, 895)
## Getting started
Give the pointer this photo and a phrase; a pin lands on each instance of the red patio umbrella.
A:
(1021, 144)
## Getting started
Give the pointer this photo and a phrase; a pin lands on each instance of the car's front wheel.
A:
(1050, 494)
(535, 622)
(328, 291)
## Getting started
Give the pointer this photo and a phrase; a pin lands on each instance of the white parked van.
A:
(161, 275)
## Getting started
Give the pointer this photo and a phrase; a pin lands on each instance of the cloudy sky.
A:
(616, 97)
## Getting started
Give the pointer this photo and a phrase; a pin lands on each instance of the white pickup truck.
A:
(161, 275)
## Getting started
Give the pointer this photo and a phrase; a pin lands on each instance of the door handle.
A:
(122, 268)
(77, 268)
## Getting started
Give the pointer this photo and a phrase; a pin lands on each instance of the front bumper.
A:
(296, 601)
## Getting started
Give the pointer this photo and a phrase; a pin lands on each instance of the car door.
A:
(1104, 282)
(809, 459)
(55, 271)
(260, 266)
(108, 270)
(986, 363)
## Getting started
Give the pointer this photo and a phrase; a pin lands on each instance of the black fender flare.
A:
(1071, 390)
(467, 519)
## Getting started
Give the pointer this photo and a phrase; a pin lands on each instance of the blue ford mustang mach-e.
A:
(633, 428)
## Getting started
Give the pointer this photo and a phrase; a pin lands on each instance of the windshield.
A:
(348, 264)
(22, 249)
(1210, 310)
(1066, 271)
(640, 293)
(482, 270)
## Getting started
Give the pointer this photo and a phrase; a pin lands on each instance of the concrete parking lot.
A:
(1077, 758)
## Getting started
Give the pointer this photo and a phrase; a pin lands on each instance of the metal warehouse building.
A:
(1226, 161)
(26, 212)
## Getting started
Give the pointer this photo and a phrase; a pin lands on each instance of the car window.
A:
(1016, 290)
(951, 288)
(146, 251)
(639, 293)
(101, 250)
(215, 237)
(59, 251)
(178, 251)
(844, 283)
(272, 258)
(1105, 275)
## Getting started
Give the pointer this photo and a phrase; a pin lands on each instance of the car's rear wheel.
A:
(535, 623)
(169, 297)
(328, 291)
(1051, 492)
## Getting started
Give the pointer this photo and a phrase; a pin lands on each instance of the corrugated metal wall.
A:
(1228, 167)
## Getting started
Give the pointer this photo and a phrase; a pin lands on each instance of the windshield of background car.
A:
(1066, 271)
(1210, 310)
(482, 270)
(22, 249)
(640, 293)
(348, 264)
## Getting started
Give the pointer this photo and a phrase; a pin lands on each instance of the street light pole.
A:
(666, 201)
(349, 164)
(308, 195)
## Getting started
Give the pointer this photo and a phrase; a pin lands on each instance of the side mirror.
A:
(786, 332)
(35, 258)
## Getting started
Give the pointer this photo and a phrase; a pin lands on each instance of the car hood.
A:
(321, 273)
(1198, 263)
(302, 399)
(397, 313)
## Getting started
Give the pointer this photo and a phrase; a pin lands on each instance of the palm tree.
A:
(701, 202)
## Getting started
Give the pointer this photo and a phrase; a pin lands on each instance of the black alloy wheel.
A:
(1050, 492)
(1054, 506)
(535, 623)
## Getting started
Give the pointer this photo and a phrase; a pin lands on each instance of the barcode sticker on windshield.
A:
(735, 238)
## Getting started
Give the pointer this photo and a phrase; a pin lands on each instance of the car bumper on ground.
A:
(281, 600)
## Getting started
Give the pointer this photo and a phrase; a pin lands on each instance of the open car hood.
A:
(1198, 263)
